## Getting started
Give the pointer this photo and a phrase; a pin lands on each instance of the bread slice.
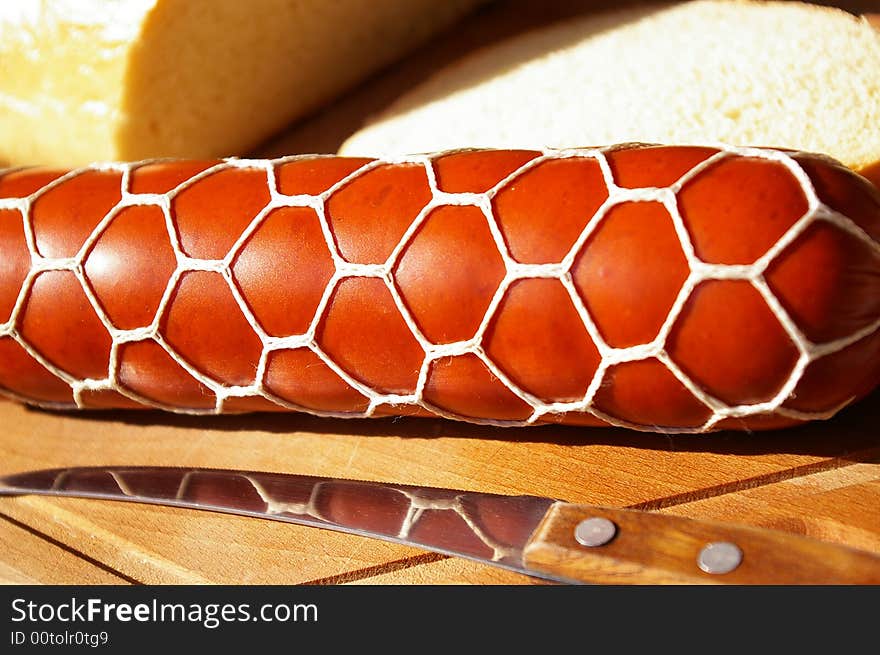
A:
(87, 80)
(782, 74)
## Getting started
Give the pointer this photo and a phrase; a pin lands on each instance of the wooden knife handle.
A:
(651, 548)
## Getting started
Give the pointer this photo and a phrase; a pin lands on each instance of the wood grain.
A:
(652, 548)
(446, 571)
(30, 558)
(839, 506)
(199, 549)
(597, 466)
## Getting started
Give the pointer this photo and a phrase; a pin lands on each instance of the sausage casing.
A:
(662, 288)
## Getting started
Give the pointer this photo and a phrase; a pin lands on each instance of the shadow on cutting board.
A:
(853, 434)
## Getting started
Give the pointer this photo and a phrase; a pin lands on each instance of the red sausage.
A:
(664, 288)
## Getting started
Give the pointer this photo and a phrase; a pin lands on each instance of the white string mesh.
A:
(700, 271)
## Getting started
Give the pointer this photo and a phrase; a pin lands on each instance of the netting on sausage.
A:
(541, 410)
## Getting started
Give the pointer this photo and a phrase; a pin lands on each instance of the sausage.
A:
(658, 288)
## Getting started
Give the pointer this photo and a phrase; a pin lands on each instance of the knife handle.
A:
(639, 547)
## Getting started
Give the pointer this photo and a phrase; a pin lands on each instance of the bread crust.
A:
(684, 73)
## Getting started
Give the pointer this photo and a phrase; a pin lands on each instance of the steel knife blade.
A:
(540, 537)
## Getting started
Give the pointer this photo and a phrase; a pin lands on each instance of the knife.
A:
(540, 537)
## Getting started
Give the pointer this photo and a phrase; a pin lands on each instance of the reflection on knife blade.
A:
(540, 537)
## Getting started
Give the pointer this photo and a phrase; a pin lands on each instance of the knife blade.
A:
(541, 537)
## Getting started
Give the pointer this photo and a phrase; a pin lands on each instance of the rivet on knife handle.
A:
(653, 548)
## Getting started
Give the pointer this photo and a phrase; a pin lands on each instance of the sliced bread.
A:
(89, 80)
(745, 72)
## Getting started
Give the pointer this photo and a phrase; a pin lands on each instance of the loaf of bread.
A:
(89, 80)
(781, 74)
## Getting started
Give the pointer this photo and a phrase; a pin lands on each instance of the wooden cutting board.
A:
(821, 480)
